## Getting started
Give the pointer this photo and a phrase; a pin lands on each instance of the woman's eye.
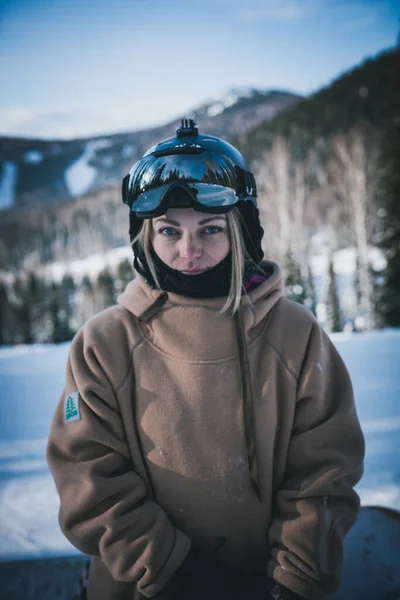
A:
(212, 229)
(168, 231)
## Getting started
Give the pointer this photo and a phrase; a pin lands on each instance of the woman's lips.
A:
(193, 271)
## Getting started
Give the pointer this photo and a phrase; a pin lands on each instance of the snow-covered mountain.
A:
(37, 172)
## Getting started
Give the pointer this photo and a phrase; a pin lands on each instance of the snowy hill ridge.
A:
(234, 96)
(37, 172)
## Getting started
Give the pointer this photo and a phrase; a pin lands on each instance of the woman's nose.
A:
(189, 247)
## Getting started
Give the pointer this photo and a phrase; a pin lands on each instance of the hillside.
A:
(367, 95)
(39, 172)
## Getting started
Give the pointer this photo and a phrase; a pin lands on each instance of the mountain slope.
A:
(366, 95)
(38, 172)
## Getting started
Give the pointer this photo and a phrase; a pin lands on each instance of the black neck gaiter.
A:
(213, 283)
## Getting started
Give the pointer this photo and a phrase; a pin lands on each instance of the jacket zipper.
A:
(324, 537)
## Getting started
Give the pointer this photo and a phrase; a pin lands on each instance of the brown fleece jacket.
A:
(148, 449)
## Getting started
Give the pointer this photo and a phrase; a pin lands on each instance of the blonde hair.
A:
(238, 251)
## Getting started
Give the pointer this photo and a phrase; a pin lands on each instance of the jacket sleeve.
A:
(104, 507)
(316, 504)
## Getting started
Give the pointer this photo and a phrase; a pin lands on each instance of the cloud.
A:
(61, 123)
(381, 425)
(358, 15)
(382, 495)
(278, 10)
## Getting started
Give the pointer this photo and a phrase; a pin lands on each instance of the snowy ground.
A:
(31, 381)
(8, 181)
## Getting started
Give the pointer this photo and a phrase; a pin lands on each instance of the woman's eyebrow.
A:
(165, 220)
(168, 221)
(211, 219)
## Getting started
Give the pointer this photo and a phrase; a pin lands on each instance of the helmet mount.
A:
(188, 127)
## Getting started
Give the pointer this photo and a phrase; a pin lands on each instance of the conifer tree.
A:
(37, 299)
(333, 308)
(67, 305)
(311, 295)
(87, 307)
(295, 287)
(106, 288)
(54, 309)
(22, 313)
(388, 302)
(4, 308)
(124, 275)
(378, 280)
(61, 310)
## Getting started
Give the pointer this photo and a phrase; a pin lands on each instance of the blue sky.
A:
(72, 68)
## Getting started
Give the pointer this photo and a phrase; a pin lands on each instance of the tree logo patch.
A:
(71, 407)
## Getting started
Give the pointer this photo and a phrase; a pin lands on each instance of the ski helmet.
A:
(193, 170)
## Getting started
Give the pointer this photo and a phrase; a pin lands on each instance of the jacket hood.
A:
(138, 297)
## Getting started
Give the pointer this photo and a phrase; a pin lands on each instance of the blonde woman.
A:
(206, 445)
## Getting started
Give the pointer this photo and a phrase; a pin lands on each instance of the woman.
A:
(206, 444)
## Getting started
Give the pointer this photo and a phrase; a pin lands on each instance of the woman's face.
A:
(190, 241)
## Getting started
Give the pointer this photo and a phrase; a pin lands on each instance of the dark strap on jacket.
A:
(153, 309)
(247, 401)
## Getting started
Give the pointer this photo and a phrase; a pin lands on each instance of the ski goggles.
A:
(212, 182)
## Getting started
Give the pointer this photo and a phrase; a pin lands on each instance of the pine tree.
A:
(4, 308)
(61, 310)
(311, 295)
(333, 308)
(124, 275)
(67, 306)
(106, 288)
(22, 313)
(295, 287)
(87, 307)
(388, 302)
(378, 280)
(37, 299)
(56, 327)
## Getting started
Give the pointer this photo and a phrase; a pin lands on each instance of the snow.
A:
(80, 176)
(7, 185)
(31, 382)
(221, 103)
(218, 103)
(344, 266)
(215, 109)
(91, 266)
(30, 529)
(344, 260)
(33, 157)
(128, 150)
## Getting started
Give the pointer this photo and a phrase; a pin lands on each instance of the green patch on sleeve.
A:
(71, 407)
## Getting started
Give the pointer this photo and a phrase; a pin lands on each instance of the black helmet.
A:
(193, 170)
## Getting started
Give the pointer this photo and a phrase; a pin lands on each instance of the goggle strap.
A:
(246, 183)
(251, 188)
(125, 184)
(183, 148)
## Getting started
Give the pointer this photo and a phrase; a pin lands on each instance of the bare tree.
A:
(272, 174)
(283, 199)
(300, 193)
(348, 167)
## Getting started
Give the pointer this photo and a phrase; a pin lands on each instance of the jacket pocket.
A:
(324, 540)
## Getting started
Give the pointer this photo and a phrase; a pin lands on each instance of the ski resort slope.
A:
(31, 382)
